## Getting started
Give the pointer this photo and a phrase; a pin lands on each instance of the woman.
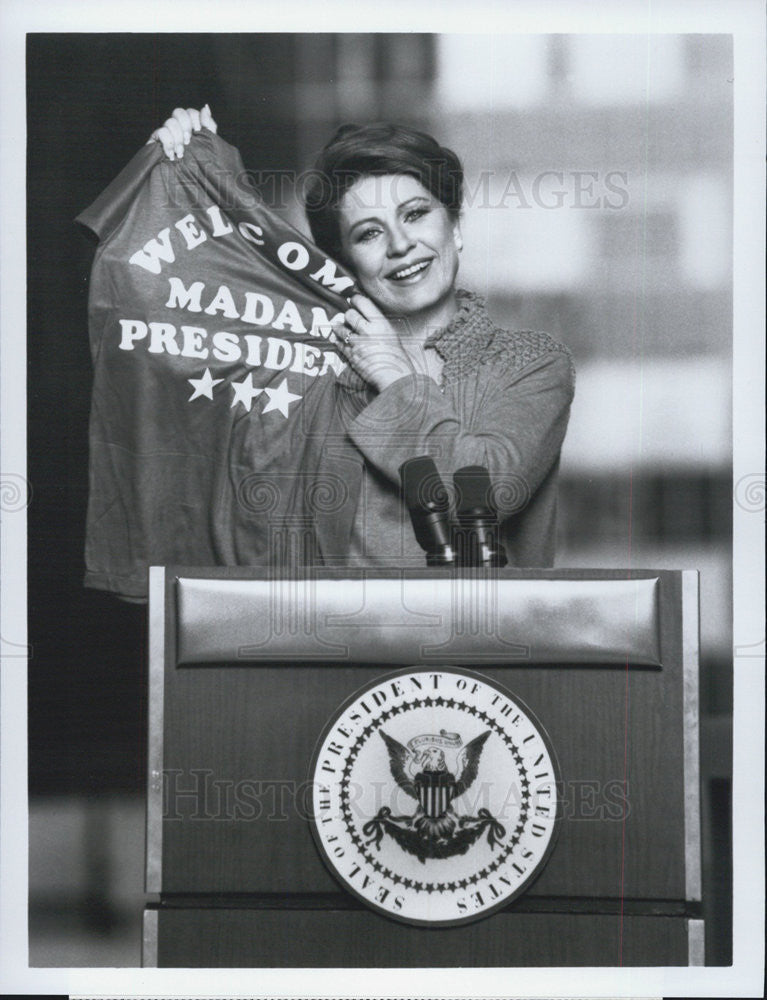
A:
(429, 372)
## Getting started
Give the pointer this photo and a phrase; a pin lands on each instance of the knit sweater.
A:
(503, 402)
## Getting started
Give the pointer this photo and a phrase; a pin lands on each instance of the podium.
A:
(247, 669)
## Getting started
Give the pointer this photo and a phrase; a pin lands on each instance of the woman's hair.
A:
(357, 151)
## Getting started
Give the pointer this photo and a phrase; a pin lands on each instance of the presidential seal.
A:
(434, 796)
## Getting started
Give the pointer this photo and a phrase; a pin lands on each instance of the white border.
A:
(149, 939)
(156, 734)
(691, 733)
(743, 18)
(696, 942)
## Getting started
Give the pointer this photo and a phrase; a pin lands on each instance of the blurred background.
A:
(598, 208)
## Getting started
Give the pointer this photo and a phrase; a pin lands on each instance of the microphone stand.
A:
(429, 506)
(476, 538)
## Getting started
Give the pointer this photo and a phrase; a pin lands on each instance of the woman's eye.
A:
(366, 235)
(415, 213)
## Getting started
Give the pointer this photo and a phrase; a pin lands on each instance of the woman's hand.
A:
(177, 130)
(373, 347)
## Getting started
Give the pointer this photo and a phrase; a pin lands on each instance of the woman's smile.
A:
(411, 273)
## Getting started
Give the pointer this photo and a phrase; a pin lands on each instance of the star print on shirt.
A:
(203, 386)
(245, 392)
(280, 398)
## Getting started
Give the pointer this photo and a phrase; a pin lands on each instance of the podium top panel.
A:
(409, 618)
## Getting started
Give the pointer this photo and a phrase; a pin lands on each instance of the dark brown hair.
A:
(357, 151)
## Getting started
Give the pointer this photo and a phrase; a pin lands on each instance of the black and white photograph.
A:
(383, 500)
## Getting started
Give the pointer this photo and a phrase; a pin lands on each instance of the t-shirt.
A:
(210, 333)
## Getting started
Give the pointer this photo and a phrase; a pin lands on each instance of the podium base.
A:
(222, 937)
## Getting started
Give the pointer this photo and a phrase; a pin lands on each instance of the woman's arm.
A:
(176, 131)
(511, 421)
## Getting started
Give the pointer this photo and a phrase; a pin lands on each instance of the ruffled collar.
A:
(466, 337)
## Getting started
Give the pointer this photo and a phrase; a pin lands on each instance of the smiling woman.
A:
(429, 373)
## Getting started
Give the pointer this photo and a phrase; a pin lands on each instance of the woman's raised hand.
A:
(372, 345)
(177, 130)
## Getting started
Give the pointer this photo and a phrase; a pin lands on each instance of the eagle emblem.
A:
(434, 770)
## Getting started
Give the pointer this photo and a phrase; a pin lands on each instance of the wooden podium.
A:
(247, 668)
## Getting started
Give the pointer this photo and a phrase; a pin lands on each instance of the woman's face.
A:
(401, 243)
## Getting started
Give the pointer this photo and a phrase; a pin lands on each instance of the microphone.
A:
(429, 506)
(477, 535)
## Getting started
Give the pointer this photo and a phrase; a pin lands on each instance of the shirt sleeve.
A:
(511, 422)
(111, 206)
